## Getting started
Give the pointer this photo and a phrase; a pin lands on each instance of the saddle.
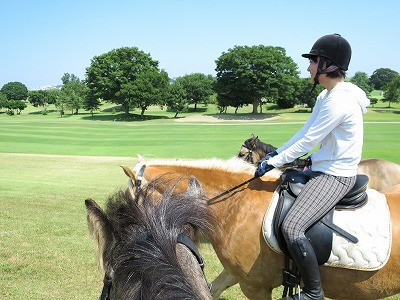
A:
(320, 233)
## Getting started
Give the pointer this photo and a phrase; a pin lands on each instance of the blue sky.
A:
(42, 40)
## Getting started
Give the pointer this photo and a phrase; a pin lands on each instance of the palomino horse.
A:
(382, 174)
(237, 238)
(146, 250)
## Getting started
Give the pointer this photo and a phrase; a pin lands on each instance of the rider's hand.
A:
(263, 166)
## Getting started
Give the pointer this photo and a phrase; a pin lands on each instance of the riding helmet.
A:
(333, 47)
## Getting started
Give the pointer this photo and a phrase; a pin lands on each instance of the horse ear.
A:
(194, 188)
(129, 172)
(140, 158)
(252, 136)
(99, 229)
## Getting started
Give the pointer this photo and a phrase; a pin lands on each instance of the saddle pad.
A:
(371, 224)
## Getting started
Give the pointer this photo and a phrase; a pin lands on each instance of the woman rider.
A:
(336, 125)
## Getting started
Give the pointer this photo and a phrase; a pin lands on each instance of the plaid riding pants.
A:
(320, 194)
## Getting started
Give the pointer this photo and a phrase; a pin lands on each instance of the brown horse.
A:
(382, 174)
(237, 238)
(146, 247)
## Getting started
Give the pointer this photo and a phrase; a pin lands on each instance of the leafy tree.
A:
(176, 99)
(392, 91)
(3, 100)
(15, 91)
(147, 89)
(381, 77)
(111, 76)
(362, 80)
(198, 87)
(52, 96)
(247, 74)
(91, 103)
(67, 78)
(72, 96)
(38, 98)
(303, 94)
(13, 106)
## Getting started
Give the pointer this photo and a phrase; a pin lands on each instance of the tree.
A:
(198, 87)
(67, 78)
(15, 91)
(91, 102)
(247, 74)
(38, 98)
(392, 91)
(381, 77)
(362, 81)
(147, 89)
(72, 96)
(3, 100)
(303, 94)
(111, 75)
(176, 99)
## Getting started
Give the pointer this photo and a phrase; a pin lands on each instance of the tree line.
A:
(130, 78)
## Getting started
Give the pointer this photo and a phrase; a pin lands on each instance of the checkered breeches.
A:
(321, 193)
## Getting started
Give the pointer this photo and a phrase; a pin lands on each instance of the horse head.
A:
(140, 244)
(246, 151)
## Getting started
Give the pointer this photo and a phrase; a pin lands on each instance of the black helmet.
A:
(333, 47)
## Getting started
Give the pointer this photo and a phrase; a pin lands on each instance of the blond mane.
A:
(232, 165)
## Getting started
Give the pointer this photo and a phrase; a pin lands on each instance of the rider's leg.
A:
(316, 199)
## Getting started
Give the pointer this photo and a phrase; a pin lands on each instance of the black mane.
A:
(143, 255)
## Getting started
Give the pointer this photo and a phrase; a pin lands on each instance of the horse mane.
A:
(267, 148)
(143, 255)
(233, 165)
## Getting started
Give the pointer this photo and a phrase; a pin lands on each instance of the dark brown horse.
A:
(237, 238)
(146, 250)
(382, 174)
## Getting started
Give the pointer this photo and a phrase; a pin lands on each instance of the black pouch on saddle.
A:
(319, 235)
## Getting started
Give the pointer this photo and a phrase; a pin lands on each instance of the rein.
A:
(210, 201)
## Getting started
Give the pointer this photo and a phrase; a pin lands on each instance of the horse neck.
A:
(266, 148)
(213, 181)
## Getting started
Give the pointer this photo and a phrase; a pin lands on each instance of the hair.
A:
(143, 257)
(339, 73)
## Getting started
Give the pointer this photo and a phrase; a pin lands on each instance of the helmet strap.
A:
(331, 68)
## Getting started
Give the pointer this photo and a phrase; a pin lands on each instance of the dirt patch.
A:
(225, 117)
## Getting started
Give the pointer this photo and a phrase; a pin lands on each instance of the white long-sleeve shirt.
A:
(336, 123)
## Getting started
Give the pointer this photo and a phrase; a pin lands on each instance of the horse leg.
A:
(255, 292)
(221, 283)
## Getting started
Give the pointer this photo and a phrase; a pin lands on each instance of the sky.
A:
(41, 40)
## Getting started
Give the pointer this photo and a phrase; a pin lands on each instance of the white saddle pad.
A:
(371, 224)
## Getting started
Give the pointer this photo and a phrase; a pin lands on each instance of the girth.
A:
(320, 233)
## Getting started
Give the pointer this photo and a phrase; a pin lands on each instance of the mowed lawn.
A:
(50, 165)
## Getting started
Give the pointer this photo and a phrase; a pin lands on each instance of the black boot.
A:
(304, 256)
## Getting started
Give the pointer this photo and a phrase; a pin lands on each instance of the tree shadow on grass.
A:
(40, 112)
(122, 117)
(243, 117)
(387, 110)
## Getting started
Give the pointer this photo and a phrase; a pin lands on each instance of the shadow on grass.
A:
(243, 117)
(387, 110)
(40, 112)
(122, 117)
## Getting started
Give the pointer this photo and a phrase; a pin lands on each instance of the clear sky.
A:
(41, 40)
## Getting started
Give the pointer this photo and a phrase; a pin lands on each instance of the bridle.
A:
(249, 155)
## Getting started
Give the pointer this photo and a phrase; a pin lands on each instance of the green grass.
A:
(45, 251)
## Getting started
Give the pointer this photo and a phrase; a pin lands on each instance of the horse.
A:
(237, 238)
(146, 245)
(382, 174)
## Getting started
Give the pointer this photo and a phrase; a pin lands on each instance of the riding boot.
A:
(306, 261)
